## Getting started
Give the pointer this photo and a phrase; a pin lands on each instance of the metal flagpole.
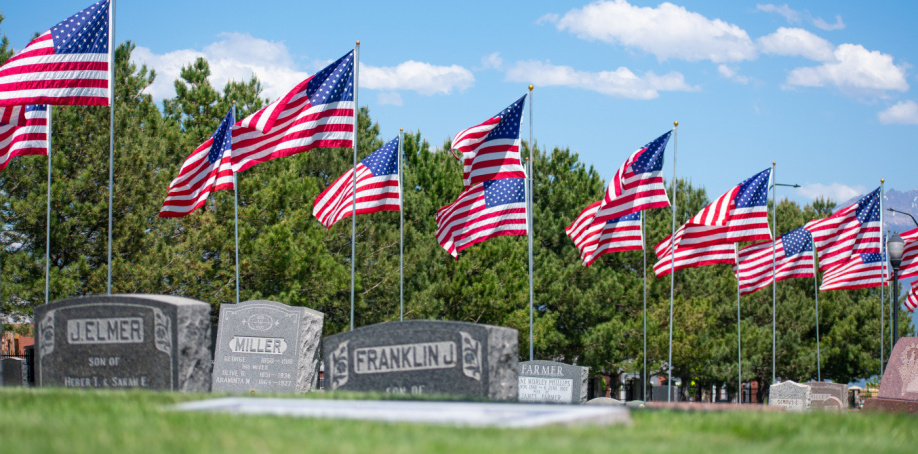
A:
(530, 223)
(816, 292)
(774, 282)
(672, 266)
(401, 231)
(354, 188)
(48, 220)
(644, 251)
(739, 336)
(236, 212)
(882, 299)
(111, 134)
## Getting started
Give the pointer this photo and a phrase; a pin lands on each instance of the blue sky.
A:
(823, 88)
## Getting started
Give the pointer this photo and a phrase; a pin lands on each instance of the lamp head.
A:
(895, 246)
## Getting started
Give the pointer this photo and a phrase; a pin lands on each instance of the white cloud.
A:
(730, 72)
(423, 78)
(237, 56)
(855, 70)
(492, 61)
(796, 42)
(667, 31)
(621, 83)
(791, 15)
(836, 192)
(838, 25)
(391, 98)
(903, 113)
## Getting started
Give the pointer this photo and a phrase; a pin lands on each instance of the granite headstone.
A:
(550, 381)
(424, 357)
(820, 393)
(790, 395)
(659, 394)
(899, 386)
(124, 341)
(268, 347)
(14, 372)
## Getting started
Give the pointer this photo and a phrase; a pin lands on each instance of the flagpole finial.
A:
(530, 87)
(676, 124)
(882, 180)
(773, 163)
(234, 102)
(401, 129)
(526, 158)
(358, 43)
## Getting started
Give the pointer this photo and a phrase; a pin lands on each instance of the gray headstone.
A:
(14, 372)
(900, 380)
(268, 347)
(790, 395)
(658, 394)
(550, 381)
(424, 357)
(124, 341)
(820, 392)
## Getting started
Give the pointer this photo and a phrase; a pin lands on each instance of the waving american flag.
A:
(862, 271)
(909, 265)
(377, 188)
(207, 169)
(594, 239)
(911, 302)
(29, 139)
(68, 64)
(491, 150)
(486, 210)
(317, 113)
(852, 230)
(794, 258)
(638, 184)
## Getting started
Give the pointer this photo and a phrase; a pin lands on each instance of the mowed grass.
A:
(70, 421)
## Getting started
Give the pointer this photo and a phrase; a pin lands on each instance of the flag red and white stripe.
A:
(909, 265)
(852, 230)
(377, 188)
(29, 139)
(317, 113)
(691, 257)
(863, 271)
(491, 150)
(911, 302)
(594, 239)
(66, 65)
(209, 168)
(486, 210)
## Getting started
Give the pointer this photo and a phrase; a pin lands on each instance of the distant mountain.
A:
(902, 201)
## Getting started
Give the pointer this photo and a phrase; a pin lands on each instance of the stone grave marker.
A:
(550, 381)
(899, 386)
(424, 357)
(268, 347)
(821, 392)
(124, 341)
(790, 395)
(14, 372)
(658, 394)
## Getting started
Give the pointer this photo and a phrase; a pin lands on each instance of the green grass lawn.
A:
(57, 420)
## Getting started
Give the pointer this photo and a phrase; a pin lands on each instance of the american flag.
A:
(852, 230)
(794, 258)
(13, 115)
(693, 257)
(317, 113)
(638, 184)
(486, 210)
(862, 271)
(594, 239)
(377, 188)
(68, 64)
(32, 138)
(491, 150)
(739, 215)
(911, 302)
(207, 169)
(909, 265)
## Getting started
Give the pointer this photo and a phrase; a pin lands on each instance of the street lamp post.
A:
(894, 247)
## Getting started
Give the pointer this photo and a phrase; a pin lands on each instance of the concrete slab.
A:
(470, 414)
